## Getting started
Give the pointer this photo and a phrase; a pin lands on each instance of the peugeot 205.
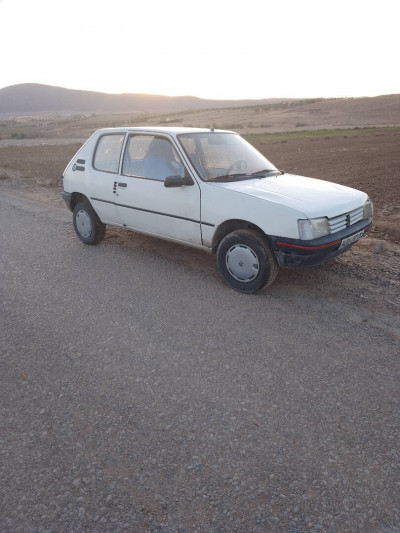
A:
(213, 190)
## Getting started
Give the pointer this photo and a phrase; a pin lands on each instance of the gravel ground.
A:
(139, 393)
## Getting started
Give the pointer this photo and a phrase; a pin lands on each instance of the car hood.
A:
(310, 196)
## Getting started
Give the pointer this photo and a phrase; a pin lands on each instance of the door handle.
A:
(120, 184)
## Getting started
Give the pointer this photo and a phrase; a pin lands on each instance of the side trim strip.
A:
(153, 212)
(208, 224)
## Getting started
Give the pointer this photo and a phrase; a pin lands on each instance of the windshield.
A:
(225, 156)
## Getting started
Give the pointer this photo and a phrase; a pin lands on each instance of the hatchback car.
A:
(213, 190)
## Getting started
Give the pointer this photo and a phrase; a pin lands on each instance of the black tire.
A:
(87, 225)
(246, 262)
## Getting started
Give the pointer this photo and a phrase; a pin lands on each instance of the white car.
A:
(211, 189)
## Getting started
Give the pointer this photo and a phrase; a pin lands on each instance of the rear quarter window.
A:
(108, 152)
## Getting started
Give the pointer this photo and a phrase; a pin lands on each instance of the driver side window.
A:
(151, 157)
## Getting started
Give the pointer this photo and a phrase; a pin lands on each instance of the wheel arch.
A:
(77, 197)
(233, 225)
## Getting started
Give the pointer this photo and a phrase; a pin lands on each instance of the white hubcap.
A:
(83, 223)
(242, 263)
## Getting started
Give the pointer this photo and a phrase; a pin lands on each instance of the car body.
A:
(211, 189)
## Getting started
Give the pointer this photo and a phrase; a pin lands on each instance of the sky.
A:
(219, 49)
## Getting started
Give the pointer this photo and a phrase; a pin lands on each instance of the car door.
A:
(104, 175)
(142, 200)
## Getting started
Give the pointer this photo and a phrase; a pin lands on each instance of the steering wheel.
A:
(239, 165)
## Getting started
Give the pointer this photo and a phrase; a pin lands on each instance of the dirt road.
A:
(139, 393)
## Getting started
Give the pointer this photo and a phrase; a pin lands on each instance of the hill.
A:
(33, 99)
(299, 115)
(41, 111)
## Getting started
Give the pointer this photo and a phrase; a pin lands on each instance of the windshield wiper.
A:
(244, 176)
(228, 177)
(262, 173)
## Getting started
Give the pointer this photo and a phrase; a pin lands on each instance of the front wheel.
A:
(246, 262)
(87, 225)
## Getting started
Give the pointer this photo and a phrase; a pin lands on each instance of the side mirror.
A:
(177, 181)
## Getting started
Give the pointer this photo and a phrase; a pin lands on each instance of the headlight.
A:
(368, 209)
(313, 228)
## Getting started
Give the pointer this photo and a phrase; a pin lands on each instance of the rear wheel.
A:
(246, 262)
(87, 225)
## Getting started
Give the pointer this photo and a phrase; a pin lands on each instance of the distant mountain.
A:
(34, 98)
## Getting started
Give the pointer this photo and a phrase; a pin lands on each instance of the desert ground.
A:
(367, 160)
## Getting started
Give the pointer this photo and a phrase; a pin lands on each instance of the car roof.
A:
(159, 129)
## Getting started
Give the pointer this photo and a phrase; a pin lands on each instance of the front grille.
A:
(346, 220)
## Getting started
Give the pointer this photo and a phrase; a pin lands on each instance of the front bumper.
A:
(297, 253)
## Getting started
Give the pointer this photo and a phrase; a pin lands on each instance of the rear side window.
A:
(108, 152)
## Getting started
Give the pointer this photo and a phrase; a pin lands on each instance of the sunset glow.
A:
(222, 49)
